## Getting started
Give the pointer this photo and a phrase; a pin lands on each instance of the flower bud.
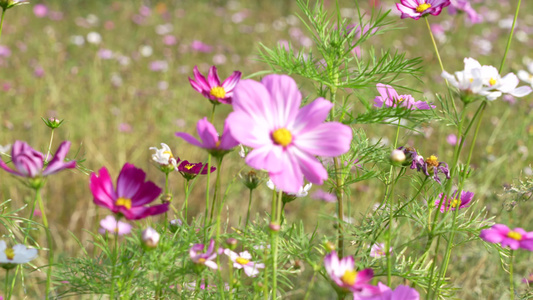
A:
(174, 225)
(52, 122)
(397, 156)
(231, 243)
(329, 246)
(274, 226)
(251, 180)
(150, 238)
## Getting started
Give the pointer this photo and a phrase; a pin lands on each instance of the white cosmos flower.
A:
(164, 155)
(5, 149)
(243, 261)
(19, 254)
(469, 79)
(527, 76)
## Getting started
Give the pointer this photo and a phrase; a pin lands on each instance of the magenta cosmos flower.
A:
(244, 261)
(402, 292)
(190, 170)
(267, 117)
(204, 258)
(415, 9)
(29, 162)
(390, 98)
(211, 88)
(454, 202)
(343, 273)
(130, 196)
(501, 234)
(210, 140)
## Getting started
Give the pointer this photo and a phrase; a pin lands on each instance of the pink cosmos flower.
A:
(343, 273)
(267, 117)
(29, 162)
(378, 250)
(210, 140)
(464, 6)
(390, 98)
(415, 9)
(113, 226)
(40, 10)
(324, 196)
(204, 258)
(402, 292)
(199, 46)
(243, 261)
(501, 234)
(454, 202)
(211, 88)
(131, 194)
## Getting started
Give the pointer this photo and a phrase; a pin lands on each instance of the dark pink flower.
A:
(514, 239)
(211, 88)
(454, 202)
(40, 10)
(29, 162)
(286, 138)
(210, 140)
(418, 8)
(190, 170)
(390, 98)
(131, 195)
(402, 292)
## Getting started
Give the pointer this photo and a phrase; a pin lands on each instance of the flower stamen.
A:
(218, 92)
(125, 202)
(423, 7)
(10, 253)
(282, 137)
(349, 277)
(242, 261)
(514, 235)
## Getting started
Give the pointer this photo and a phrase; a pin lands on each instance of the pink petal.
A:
(285, 99)
(252, 98)
(290, 178)
(141, 212)
(230, 82)
(321, 141)
(200, 79)
(207, 133)
(190, 139)
(248, 131)
(311, 168)
(129, 181)
(102, 188)
(268, 157)
(213, 78)
(147, 193)
(57, 164)
(311, 115)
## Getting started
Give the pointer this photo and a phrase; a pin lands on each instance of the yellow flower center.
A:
(282, 137)
(432, 161)
(201, 260)
(242, 261)
(471, 80)
(423, 7)
(514, 235)
(218, 92)
(217, 144)
(455, 203)
(10, 253)
(123, 202)
(400, 100)
(349, 277)
(492, 81)
(188, 167)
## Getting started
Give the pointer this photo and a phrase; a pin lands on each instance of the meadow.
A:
(117, 79)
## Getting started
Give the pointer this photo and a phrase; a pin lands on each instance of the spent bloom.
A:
(211, 88)
(204, 258)
(131, 195)
(210, 140)
(343, 273)
(164, 156)
(150, 238)
(285, 138)
(114, 226)
(19, 254)
(29, 162)
(431, 166)
(514, 239)
(390, 98)
(402, 292)
(190, 170)
(243, 261)
(454, 202)
(415, 9)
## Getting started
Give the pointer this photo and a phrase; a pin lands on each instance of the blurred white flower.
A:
(19, 254)
(94, 38)
(146, 51)
(5, 149)
(77, 40)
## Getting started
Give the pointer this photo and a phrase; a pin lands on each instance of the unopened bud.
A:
(231, 243)
(150, 238)
(329, 246)
(274, 226)
(250, 179)
(397, 156)
(174, 225)
(52, 122)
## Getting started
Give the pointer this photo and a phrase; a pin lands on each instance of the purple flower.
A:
(243, 261)
(131, 194)
(415, 9)
(5, 51)
(204, 258)
(105, 54)
(285, 138)
(324, 196)
(432, 166)
(464, 6)
(402, 292)
(29, 162)
(214, 144)
(112, 225)
(211, 88)
(40, 10)
(343, 273)
(514, 239)
(190, 170)
(390, 98)
(454, 202)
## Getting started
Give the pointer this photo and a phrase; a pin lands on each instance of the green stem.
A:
(50, 245)
(214, 202)
(511, 281)
(248, 213)
(167, 197)
(6, 289)
(50, 144)
(510, 36)
(219, 205)
(2, 21)
(230, 267)
(115, 255)
(275, 235)
(310, 286)
(207, 195)
(213, 112)
(37, 194)
(340, 208)
(186, 200)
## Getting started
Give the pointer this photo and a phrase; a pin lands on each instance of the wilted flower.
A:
(217, 145)
(243, 261)
(397, 156)
(150, 238)
(415, 9)
(164, 158)
(29, 162)
(131, 195)
(454, 202)
(190, 170)
(285, 138)
(211, 88)
(432, 166)
(19, 254)
(204, 258)
(112, 225)
(343, 273)
(514, 239)
(390, 98)
(250, 179)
